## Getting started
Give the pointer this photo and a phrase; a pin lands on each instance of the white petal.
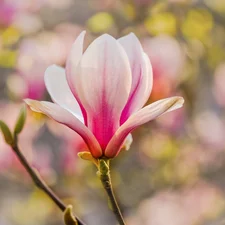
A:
(127, 143)
(144, 115)
(71, 68)
(74, 58)
(141, 75)
(62, 116)
(103, 84)
(58, 88)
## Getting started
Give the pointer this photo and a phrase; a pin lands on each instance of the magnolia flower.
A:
(101, 92)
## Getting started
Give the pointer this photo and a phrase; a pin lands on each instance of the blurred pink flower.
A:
(66, 33)
(107, 86)
(27, 22)
(8, 160)
(72, 144)
(192, 205)
(7, 13)
(204, 130)
(167, 60)
(12, 11)
(35, 55)
(218, 88)
(31, 64)
(27, 5)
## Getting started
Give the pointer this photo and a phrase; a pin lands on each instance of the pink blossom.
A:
(35, 55)
(165, 54)
(65, 32)
(72, 144)
(101, 93)
(7, 13)
(190, 205)
(167, 60)
(11, 11)
(31, 65)
(214, 139)
(9, 113)
(27, 5)
(218, 88)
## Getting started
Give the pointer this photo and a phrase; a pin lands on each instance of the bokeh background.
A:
(174, 172)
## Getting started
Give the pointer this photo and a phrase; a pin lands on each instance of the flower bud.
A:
(6, 133)
(21, 120)
(69, 219)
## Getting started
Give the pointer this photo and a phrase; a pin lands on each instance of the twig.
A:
(39, 182)
(104, 174)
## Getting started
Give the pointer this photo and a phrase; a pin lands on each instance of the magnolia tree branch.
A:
(39, 182)
(12, 140)
(104, 174)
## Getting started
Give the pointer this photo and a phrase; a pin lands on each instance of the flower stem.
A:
(104, 174)
(39, 182)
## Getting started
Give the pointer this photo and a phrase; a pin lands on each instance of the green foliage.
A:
(162, 23)
(100, 22)
(198, 24)
(7, 58)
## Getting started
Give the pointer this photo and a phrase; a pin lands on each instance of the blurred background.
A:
(174, 173)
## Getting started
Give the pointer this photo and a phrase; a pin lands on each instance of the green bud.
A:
(69, 218)
(21, 120)
(6, 133)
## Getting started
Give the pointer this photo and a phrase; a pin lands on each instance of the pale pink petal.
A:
(63, 116)
(103, 83)
(144, 115)
(58, 88)
(71, 68)
(141, 75)
(127, 143)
